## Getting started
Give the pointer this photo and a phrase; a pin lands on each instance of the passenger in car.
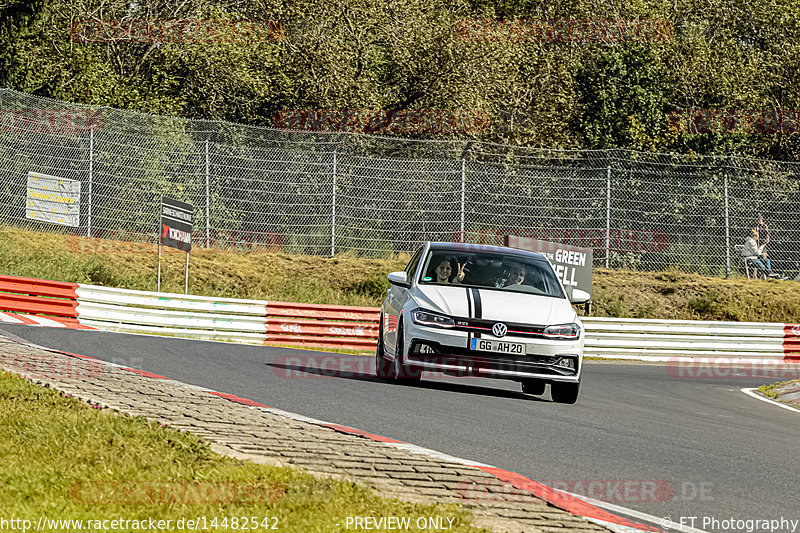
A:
(444, 271)
(514, 274)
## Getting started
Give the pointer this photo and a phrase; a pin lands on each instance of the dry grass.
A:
(351, 280)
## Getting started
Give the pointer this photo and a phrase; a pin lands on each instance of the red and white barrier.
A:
(59, 304)
(322, 326)
(39, 302)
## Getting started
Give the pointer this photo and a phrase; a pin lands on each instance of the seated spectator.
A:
(755, 256)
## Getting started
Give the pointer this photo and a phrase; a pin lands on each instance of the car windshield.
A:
(486, 270)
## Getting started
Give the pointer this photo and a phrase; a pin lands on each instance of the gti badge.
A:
(499, 330)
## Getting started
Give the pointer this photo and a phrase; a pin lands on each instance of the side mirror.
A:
(579, 296)
(398, 278)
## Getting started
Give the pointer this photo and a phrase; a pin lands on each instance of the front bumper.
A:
(447, 351)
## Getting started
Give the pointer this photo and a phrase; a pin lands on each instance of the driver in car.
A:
(514, 274)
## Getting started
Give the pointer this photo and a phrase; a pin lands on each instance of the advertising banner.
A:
(573, 265)
(53, 199)
(176, 224)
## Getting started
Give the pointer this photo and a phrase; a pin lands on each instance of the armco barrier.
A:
(39, 297)
(632, 338)
(335, 326)
(177, 315)
(322, 326)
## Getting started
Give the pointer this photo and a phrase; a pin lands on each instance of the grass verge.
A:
(350, 280)
(59, 455)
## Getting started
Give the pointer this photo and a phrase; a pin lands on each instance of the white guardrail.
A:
(176, 315)
(635, 338)
(245, 321)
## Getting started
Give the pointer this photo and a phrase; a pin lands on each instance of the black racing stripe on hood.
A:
(476, 298)
(469, 315)
(476, 295)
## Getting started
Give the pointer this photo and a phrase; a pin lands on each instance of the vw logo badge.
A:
(499, 330)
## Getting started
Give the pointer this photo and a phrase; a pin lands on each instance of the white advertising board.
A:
(53, 199)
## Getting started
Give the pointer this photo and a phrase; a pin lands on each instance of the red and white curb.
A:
(598, 512)
(36, 320)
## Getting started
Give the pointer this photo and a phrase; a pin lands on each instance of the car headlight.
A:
(562, 331)
(429, 318)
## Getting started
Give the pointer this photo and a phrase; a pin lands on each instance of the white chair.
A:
(745, 266)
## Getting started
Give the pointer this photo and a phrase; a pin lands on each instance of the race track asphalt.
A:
(721, 453)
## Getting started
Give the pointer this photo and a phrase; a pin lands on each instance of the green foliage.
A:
(339, 54)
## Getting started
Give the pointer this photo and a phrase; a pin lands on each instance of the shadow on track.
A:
(310, 370)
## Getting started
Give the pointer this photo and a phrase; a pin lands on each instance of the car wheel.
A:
(406, 373)
(533, 386)
(383, 368)
(564, 392)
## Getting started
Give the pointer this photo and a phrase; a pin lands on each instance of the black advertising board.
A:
(176, 224)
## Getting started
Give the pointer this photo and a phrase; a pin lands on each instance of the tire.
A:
(383, 368)
(564, 392)
(401, 372)
(533, 386)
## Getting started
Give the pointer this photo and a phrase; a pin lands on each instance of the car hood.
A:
(497, 305)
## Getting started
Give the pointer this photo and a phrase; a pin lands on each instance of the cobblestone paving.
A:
(264, 436)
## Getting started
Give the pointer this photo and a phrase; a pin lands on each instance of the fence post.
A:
(463, 196)
(727, 231)
(608, 215)
(208, 203)
(333, 209)
(91, 165)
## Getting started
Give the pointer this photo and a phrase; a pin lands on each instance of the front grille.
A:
(478, 325)
(472, 361)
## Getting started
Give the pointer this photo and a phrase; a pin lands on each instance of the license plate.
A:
(485, 345)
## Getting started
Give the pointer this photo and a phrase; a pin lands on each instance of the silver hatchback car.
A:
(486, 311)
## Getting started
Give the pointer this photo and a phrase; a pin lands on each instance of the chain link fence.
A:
(320, 193)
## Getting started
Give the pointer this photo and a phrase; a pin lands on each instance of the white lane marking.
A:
(636, 514)
(750, 392)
